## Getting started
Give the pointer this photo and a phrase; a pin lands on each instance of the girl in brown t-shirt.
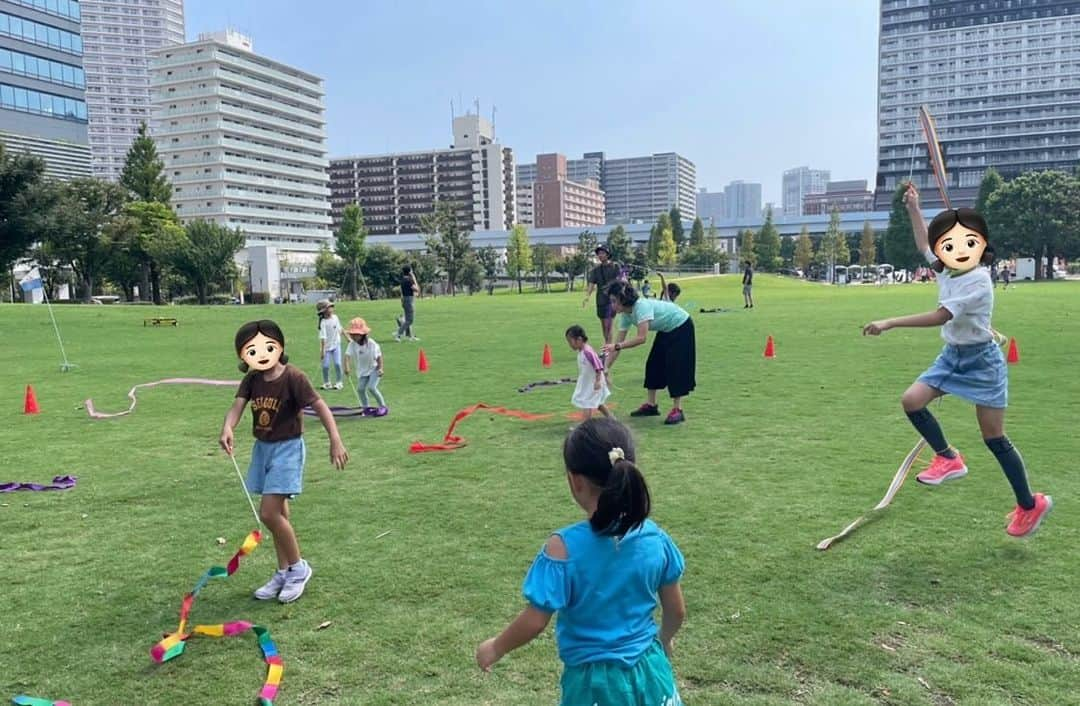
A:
(278, 393)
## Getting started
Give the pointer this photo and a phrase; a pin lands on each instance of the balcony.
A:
(242, 129)
(243, 194)
(261, 213)
(273, 121)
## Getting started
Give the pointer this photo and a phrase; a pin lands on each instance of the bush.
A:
(1074, 268)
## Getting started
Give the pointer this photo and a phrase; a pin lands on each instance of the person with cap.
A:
(329, 343)
(600, 278)
(366, 358)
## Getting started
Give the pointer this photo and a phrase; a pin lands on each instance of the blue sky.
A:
(743, 88)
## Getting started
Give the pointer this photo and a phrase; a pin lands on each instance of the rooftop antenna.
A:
(476, 102)
(493, 121)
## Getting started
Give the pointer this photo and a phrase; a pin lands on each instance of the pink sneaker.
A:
(1025, 522)
(943, 469)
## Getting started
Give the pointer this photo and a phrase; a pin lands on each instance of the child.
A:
(278, 394)
(366, 356)
(329, 343)
(970, 365)
(603, 577)
(592, 390)
(646, 290)
(672, 292)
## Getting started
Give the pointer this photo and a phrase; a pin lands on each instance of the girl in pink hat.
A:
(365, 355)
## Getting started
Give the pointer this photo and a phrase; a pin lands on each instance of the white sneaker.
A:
(326, 386)
(338, 385)
(295, 581)
(397, 338)
(414, 338)
(271, 588)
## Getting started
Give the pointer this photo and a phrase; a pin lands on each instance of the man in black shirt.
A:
(747, 283)
(600, 277)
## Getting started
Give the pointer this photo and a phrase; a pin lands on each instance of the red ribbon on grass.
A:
(451, 442)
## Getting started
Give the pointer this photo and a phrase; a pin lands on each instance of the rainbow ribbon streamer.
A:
(173, 644)
(33, 701)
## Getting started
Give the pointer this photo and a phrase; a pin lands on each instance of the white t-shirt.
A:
(330, 331)
(365, 358)
(970, 299)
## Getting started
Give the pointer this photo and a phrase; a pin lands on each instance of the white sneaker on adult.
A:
(338, 385)
(271, 588)
(295, 581)
(326, 386)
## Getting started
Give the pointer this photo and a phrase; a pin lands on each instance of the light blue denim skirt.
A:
(976, 373)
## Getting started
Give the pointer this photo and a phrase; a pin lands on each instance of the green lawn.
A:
(931, 604)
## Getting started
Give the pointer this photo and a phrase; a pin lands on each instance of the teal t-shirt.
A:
(662, 315)
(605, 592)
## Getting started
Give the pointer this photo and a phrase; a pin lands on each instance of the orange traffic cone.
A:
(770, 349)
(547, 356)
(422, 364)
(30, 406)
(1014, 352)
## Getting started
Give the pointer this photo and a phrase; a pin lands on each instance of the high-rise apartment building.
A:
(397, 190)
(711, 206)
(588, 168)
(43, 85)
(742, 200)
(243, 139)
(118, 36)
(523, 209)
(1001, 79)
(799, 182)
(638, 189)
(559, 202)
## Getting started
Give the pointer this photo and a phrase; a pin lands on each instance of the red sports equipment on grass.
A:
(1014, 352)
(933, 149)
(770, 348)
(422, 364)
(547, 356)
(30, 405)
(452, 443)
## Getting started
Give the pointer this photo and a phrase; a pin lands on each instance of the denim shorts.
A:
(277, 467)
(976, 373)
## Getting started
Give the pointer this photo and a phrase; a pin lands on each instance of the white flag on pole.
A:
(31, 281)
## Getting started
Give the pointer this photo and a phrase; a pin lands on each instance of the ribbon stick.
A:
(894, 487)
(452, 443)
(933, 149)
(94, 414)
(58, 483)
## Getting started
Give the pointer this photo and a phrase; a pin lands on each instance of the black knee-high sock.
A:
(1013, 465)
(925, 423)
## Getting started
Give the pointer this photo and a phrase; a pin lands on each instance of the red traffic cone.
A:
(422, 364)
(547, 356)
(770, 349)
(1014, 352)
(30, 406)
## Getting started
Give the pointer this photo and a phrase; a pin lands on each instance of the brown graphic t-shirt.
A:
(277, 407)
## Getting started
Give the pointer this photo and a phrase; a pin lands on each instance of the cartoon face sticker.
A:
(960, 248)
(261, 352)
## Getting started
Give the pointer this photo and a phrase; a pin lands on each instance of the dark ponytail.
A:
(602, 450)
(623, 292)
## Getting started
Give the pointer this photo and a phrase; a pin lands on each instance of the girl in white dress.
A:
(592, 389)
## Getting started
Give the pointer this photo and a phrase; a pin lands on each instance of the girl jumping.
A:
(604, 577)
(592, 390)
(970, 365)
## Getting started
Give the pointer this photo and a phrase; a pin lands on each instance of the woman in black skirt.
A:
(671, 362)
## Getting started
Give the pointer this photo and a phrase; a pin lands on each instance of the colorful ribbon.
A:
(34, 701)
(58, 483)
(173, 644)
(452, 443)
(547, 383)
(933, 150)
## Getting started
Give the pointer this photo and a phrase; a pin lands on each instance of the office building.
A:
(118, 36)
(742, 200)
(799, 182)
(1000, 78)
(243, 140)
(43, 85)
(843, 196)
(711, 206)
(638, 189)
(559, 202)
(397, 190)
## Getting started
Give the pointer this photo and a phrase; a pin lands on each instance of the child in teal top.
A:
(604, 577)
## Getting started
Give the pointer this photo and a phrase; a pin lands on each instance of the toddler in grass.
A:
(603, 577)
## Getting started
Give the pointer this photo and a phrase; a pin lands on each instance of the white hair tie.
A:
(616, 454)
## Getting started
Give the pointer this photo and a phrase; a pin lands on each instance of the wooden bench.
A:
(159, 321)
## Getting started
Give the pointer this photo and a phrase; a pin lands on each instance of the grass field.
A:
(931, 604)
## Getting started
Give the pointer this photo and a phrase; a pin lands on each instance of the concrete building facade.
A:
(43, 84)
(243, 140)
(638, 189)
(799, 182)
(559, 202)
(118, 36)
(1001, 79)
(397, 190)
(843, 196)
(711, 206)
(742, 200)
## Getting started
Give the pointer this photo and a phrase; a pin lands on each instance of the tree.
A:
(867, 246)
(746, 247)
(426, 269)
(85, 208)
(543, 259)
(620, 245)
(833, 246)
(677, 232)
(382, 267)
(767, 244)
(991, 182)
(205, 256)
(667, 255)
(900, 250)
(577, 263)
(804, 250)
(697, 233)
(488, 257)
(446, 240)
(144, 172)
(349, 245)
(1037, 214)
(518, 254)
(843, 250)
(25, 204)
(472, 273)
(703, 251)
(787, 250)
(330, 269)
(660, 232)
(142, 231)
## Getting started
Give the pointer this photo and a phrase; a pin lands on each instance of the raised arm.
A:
(918, 222)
